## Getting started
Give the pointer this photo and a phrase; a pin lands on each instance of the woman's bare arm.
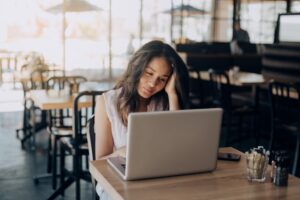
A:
(104, 140)
(172, 94)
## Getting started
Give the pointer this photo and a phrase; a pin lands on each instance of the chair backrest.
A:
(196, 88)
(284, 101)
(29, 114)
(75, 82)
(60, 82)
(38, 79)
(91, 136)
(82, 114)
(62, 117)
(57, 83)
(221, 89)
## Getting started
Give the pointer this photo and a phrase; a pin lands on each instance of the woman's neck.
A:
(143, 104)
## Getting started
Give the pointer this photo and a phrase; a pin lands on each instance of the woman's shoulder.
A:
(112, 93)
(110, 102)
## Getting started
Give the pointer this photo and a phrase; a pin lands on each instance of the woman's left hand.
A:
(171, 92)
(170, 85)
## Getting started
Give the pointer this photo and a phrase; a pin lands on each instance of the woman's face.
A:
(154, 77)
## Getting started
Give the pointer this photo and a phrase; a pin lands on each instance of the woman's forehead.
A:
(159, 64)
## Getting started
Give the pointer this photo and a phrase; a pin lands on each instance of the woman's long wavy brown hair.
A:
(128, 100)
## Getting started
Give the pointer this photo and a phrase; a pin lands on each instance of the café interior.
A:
(56, 56)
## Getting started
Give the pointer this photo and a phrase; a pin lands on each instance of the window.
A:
(259, 18)
(193, 20)
(295, 6)
(102, 38)
(222, 30)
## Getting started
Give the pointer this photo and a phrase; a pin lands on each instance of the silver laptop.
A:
(169, 143)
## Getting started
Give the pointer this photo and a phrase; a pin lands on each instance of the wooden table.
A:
(242, 78)
(50, 99)
(228, 181)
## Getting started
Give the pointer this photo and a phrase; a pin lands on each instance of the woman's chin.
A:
(144, 96)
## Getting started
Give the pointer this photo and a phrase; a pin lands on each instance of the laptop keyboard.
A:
(116, 163)
(122, 161)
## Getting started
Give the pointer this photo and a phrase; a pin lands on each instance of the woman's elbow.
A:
(104, 154)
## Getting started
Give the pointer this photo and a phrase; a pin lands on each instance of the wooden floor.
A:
(18, 167)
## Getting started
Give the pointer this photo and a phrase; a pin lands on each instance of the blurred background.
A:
(97, 36)
(95, 39)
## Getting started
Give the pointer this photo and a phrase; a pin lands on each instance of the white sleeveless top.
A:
(118, 128)
(119, 131)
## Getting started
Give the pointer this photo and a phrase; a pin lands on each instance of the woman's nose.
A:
(152, 82)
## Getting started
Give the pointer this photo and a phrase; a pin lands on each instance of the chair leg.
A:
(49, 165)
(87, 162)
(240, 129)
(76, 167)
(49, 156)
(228, 130)
(256, 128)
(33, 134)
(271, 143)
(296, 156)
(54, 157)
(26, 135)
(94, 193)
(17, 132)
(62, 166)
(77, 180)
(62, 188)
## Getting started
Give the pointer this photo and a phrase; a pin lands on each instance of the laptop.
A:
(169, 143)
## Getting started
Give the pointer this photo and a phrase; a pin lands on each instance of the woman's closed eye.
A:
(149, 73)
(163, 80)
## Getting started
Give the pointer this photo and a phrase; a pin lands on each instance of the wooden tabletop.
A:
(228, 181)
(241, 78)
(51, 99)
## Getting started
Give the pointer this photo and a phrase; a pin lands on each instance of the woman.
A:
(156, 79)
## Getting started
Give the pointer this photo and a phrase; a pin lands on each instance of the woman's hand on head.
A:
(170, 85)
(171, 92)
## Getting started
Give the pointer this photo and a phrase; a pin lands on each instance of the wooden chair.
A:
(197, 98)
(28, 123)
(59, 121)
(37, 80)
(61, 82)
(76, 145)
(285, 118)
(233, 113)
(34, 119)
(39, 77)
(91, 138)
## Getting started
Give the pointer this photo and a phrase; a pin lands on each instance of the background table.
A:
(51, 99)
(242, 78)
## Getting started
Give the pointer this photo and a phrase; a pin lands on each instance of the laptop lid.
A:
(171, 143)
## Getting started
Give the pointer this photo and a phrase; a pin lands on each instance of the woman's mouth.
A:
(147, 91)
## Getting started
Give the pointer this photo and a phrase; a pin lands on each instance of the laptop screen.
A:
(172, 143)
